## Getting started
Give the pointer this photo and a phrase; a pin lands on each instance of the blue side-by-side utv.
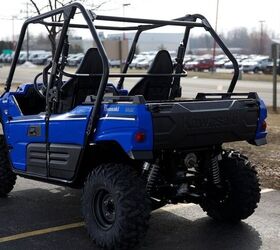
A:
(131, 151)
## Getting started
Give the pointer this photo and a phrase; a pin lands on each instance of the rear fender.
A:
(122, 123)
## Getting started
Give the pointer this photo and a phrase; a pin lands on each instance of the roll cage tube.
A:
(189, 21)
(179, 66)
(89, 18)
(146, 24)
(132, 50)
(219, 41)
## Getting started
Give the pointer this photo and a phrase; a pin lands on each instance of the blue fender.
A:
(122, 123)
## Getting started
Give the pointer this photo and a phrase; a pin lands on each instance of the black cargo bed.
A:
(208, 120)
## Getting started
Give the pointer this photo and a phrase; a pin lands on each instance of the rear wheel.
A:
(7, 177)
(115, 207)
(240, 192)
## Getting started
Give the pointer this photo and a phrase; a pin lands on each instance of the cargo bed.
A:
(210, 119)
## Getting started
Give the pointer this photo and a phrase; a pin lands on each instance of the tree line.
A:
(249, 42)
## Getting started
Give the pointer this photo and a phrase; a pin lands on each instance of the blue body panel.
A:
(118, 123)
(16, 126)
(69, 128)
(262, 116)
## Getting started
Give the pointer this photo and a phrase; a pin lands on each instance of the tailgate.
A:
(203, 122)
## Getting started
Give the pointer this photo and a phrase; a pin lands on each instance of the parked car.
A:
(136, 60)
(269, 68)
(115, 63)
(8, 58)
(22, 57)
(228, 65)
(34, 54)
(200, 65)
(2, 57)
(255, 65)
(75, 60)
(42, 59)
(220, 63)
(144, 64)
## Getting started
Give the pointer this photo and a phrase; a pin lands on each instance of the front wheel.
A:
(115, 206)
(239, 194)
(7, 177)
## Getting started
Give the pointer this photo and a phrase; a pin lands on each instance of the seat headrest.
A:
(162, 63)
(91, 63)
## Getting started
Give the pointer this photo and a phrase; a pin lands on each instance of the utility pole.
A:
(261, 38)
(216, 30)
(13, 31)
(275, 55)
(13, 18)
(27, 34)
(26, 15)
(122, 41)
(123, 8)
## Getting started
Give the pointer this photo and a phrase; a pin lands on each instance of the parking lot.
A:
(43, 216)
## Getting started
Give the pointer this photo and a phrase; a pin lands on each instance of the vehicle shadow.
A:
(40, 208)
(37, 208)
(170, 231)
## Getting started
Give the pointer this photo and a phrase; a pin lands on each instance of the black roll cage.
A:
(188, 21)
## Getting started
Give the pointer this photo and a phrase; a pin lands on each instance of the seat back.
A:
(156, 88)
(75, 90)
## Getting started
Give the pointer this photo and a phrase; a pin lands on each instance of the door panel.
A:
(66, 138)
(37, 159)
(69, 128)
(23, 131)
(63, 160)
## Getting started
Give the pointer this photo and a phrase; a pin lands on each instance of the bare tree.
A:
(54, 4)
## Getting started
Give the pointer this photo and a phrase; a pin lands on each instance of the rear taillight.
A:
(140, 137)
(263, 126)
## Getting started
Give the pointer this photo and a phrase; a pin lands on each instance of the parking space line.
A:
(81, 224)
(267, 190)
(185, 205)
(173, 207)
(41, 231)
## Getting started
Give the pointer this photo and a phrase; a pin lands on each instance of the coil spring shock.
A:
(215, 170)
(152, 177)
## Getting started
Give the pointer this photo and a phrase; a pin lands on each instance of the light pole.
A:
(122, 41)
(123, 8)
(216, 30)
(261, 37)
(26, 12)
(13, 31)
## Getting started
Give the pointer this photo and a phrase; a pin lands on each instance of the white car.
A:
(255, 65)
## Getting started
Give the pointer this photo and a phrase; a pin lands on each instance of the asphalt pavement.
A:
(43, 216)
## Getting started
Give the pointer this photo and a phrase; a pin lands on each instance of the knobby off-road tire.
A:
(115, 207)
(242, 190)
(7, 177)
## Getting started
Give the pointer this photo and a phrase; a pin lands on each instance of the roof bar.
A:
(149, 21)
(84, 26)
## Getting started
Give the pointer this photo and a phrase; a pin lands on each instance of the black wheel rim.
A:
(104, 210)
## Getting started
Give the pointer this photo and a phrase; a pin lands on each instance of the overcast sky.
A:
(232, 13)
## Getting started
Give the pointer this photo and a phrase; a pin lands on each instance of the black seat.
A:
(75, 90)
(156, 88)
